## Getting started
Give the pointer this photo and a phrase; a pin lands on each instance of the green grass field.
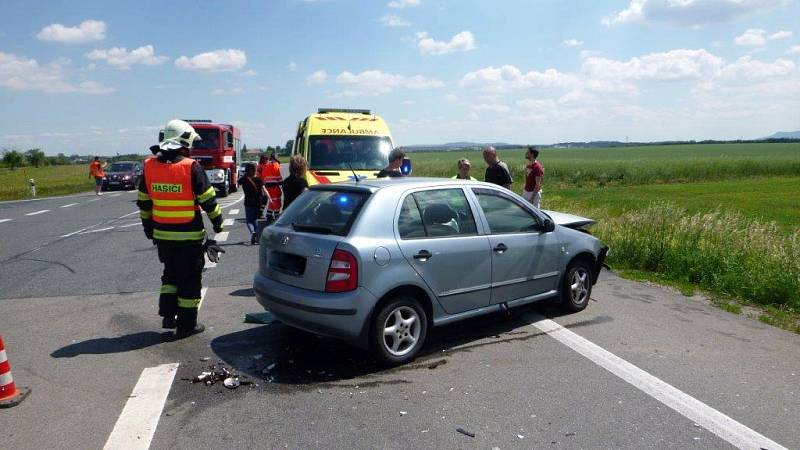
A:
(50, 180)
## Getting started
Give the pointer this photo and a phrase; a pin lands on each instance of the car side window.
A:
(504, 215)
(409, 223)
(440, 213)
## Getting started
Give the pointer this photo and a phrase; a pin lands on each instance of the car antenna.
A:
(355, 176)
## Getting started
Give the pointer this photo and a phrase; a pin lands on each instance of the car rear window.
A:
(324, 211)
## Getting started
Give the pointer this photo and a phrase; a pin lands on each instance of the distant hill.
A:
(785, 135)
(455, 146)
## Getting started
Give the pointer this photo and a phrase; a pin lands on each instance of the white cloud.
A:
(393, 20)
(508, 77)
(121, 58)
(375, 82)
(575, 96)
(318, 77)
(249, 73)
(214, 61)
(231, 91)
(536, 104)
(461, 42)
(680, 64)
(26, 74)
(494, 107)
(754, 37)
(87, 31)
(292, 66)
(689, 12)
(783, 34)
(748, 70)
(793, 50)
(400, 4)
(572, 43)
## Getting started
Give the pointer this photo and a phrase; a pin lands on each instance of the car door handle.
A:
(423, 255)
(500, 248)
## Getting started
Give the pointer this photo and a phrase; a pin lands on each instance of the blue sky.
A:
(102, 77)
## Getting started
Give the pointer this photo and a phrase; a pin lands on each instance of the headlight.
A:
(126, 177)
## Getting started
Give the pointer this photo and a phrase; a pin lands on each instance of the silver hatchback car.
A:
(380, 262)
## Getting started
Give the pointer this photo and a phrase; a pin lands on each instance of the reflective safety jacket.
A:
(171, 194)
(271, 173)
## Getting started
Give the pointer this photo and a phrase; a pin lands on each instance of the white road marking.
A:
(116, 195)
(232, 203)
(709, 418)
(101, 223)
(99, 230)
(137, 424)
(129, 225)
(94, 199)
(209, 264)
(38, 212)
(221, 236)
(227, 222)
(202, 297)
(233, 212)
(4, 220)
(68, 205)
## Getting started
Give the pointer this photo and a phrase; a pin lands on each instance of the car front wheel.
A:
(398, 331)
(576, 288)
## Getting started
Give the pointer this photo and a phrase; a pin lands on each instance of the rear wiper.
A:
(311, 228)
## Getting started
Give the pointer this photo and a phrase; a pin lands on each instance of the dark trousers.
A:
(250, 216)
(181, 283)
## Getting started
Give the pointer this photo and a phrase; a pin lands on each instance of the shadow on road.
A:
(120, 344)
(301, 361)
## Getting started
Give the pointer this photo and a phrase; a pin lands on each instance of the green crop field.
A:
(724, 217)
(50, 180)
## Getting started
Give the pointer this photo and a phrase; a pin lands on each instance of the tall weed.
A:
(720, 251)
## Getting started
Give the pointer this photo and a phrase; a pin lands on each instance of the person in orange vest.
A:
(96, 172)
(172, 191)
(271, 173)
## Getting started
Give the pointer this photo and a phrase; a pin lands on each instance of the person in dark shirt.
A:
(496, 170)
(396, 157)
(295, 183)
(254, 195)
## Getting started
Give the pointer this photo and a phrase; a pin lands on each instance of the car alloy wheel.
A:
(580, 285)
(401, 331)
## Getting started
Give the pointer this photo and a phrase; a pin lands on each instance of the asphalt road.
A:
(78, 289)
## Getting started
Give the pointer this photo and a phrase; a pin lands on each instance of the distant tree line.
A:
(13, 159)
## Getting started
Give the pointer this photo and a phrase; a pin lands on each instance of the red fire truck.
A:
(219, 152)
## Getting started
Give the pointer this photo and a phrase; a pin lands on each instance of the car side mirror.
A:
(548, 225)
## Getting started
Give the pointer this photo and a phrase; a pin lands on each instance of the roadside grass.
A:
(50, 180)
(630, 165)
(764, 199)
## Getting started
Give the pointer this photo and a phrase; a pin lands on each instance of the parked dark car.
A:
(122, 175)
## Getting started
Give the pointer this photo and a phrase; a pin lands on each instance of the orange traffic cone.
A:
(9, 394)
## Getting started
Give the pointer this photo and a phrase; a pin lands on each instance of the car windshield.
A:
(209, 139)
(324, 211)
(121, 167)
(344, 152)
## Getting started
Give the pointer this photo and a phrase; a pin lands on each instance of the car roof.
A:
(402, 182)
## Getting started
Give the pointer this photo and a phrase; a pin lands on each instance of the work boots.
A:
(187, 323)
(181, 333)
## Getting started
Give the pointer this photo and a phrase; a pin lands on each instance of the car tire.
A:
(398, 331)
(576, 287)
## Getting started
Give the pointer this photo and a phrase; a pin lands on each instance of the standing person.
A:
(173, 189)
(271, 174)
(295, 184)
(534, 173)
(96, 171)
(463, 170)
(254, 193)
(392, 170)
(496, 171)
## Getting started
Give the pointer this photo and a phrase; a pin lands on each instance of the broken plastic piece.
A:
(231, 383)
(465, 432)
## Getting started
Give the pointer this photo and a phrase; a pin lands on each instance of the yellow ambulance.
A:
(342, 145)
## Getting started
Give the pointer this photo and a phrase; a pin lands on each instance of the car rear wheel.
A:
(576, 288)
(398, 331)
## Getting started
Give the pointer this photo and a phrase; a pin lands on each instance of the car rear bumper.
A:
(340, 315)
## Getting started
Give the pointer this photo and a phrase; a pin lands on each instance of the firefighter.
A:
(172, 190)
(271, 173)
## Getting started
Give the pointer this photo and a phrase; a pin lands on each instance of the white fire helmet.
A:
(177, 134)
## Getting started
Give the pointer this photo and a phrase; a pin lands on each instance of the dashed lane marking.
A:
(4, 220)
(209, 264)
(233, 212)
(130, 225)
(709, 418)
(38, 212)
(227, 222)
(203, 292)
(116, 195)
(221, 236)
(68, 205)
(137, 424)
(93, 200)
(97, 230)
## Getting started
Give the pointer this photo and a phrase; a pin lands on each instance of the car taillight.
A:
(342, 273)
